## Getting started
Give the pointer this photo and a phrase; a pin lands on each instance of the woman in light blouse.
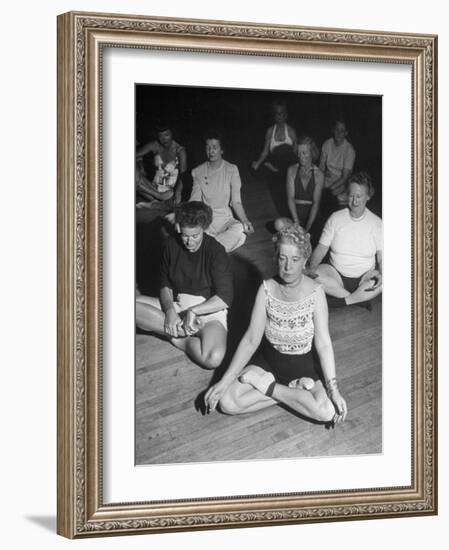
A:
(217, 183)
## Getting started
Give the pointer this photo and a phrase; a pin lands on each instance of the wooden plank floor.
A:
(170, 425)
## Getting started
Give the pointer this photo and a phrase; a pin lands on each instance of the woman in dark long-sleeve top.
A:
(195, 291)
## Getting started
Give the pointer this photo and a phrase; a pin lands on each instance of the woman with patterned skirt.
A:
(290, 314)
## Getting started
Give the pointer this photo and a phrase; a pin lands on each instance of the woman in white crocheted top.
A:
(290, 313)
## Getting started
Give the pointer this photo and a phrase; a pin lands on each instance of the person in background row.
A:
(277, 155)
(353, 236)
(217, 183)
(304, 187)
(161, 188)
(160, 167)
(337, 162)
(291, 312)
(280, 142)
(196, 290)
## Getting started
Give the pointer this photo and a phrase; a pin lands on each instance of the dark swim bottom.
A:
(303, 211)
(350, 284)
(286, 368)
(282, 157)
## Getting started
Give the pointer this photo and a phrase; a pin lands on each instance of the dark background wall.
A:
(242, 117)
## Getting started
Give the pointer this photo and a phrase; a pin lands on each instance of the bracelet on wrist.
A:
(331, 385)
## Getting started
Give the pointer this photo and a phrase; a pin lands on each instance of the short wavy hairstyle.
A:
(162, 126)
(193, 214)
(215, 134)
(363, 179)
(294, 234)
(314, 151)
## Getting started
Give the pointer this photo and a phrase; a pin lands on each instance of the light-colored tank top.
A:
(290, 327)
(287, 140)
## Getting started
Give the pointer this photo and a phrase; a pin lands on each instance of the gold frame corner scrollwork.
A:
(81, 37)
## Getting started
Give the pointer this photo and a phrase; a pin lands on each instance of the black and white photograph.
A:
(258, 271)
(160, 127)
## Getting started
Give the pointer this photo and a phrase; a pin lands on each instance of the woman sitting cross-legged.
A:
(304, 186)
(290, 313)
(353, 237)
(196, 290)
(217, 183)
(280, 142)
(336, 161)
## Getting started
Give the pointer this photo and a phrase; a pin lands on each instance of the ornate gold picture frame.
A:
(82, 508)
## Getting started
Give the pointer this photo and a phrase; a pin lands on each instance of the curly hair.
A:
(193, 214)
(314, 151)
(294, 234)
(363, 179)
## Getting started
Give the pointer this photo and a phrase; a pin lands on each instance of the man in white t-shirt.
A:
(353, 237)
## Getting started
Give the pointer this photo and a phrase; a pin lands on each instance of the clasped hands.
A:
(187, 323)
(374, 278)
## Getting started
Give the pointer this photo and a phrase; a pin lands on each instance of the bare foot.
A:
(303, 383)
(363, 293)
(179, 343)
(259, 381)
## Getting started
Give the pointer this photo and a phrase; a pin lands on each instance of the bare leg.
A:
(338, 189)
(313, 403)
(149, 315)
(207, 347)
(361, 294)
(271, 167)
(329, 277)
(243, 398)
(333, 286)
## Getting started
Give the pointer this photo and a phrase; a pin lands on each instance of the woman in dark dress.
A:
(195, 290)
